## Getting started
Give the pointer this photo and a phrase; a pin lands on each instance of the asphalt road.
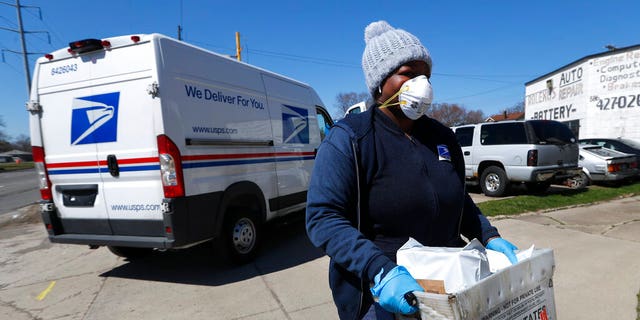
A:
(18, 188)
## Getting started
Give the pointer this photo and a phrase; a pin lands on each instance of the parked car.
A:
(603, 165)
(6, 159)
(619, 144)
(534, 152)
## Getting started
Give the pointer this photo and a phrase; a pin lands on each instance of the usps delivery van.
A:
(144, 142)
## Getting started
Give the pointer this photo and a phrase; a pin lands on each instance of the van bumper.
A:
(91, 231)
(180, 227)
(111, 240)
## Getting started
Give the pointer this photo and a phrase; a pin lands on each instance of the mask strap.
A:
(385, 104)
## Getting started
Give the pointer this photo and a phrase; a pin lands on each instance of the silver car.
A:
(603, 165)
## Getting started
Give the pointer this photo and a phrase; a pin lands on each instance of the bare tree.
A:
(476, 116)
(2, 125)
(452, 114)
(518, 107)
(3, 135)
(22, 142)
(344, 100)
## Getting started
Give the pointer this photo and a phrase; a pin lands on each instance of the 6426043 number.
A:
(620, 102)
(64, 69)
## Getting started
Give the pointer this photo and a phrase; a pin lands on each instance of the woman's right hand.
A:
(391, 289)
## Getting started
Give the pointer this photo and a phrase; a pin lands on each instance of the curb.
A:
(543, 211)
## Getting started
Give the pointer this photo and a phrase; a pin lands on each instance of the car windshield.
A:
(632, 143)
(604, 152)
(552, 132)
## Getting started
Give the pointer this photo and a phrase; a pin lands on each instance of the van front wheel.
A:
(241, 235)
(493, 182)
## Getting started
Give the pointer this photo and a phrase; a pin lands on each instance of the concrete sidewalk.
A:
(596, 249)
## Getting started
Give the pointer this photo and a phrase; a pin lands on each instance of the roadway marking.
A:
(46, 291)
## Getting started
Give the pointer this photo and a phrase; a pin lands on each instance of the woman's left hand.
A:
(504, 246)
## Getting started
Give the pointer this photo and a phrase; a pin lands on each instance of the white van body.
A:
(357, 108)
(148, 142)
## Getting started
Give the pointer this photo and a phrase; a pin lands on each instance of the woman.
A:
(385, 175)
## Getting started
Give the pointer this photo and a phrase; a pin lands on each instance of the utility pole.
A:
(238, 48)
(180, 25)
(21, 31)
(24, 48)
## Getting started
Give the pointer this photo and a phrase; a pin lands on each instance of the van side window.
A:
(503, 133)
(324, 122)
(465, 136)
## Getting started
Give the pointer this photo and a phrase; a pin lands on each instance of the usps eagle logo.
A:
(94, 119)
(295, 124)
(443, 153)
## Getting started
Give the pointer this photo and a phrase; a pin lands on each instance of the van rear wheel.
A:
(241, 235)
(493, 182)
(130, 253)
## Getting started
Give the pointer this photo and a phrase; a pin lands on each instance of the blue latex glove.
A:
(504, 246)
(391, 289)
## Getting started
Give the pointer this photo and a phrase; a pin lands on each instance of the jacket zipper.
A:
(355, 157)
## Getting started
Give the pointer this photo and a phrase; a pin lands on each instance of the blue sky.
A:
(483, 51)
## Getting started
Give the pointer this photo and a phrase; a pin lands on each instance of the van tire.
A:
(241, 235)
(493, 182)
(130, 253)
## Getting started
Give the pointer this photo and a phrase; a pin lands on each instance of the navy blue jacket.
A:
(373, 187)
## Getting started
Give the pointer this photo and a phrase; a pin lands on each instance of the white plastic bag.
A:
(459, 268)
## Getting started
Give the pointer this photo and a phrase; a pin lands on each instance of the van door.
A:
(99, 137)
(296, 135)
(71, 160)
(129, 165)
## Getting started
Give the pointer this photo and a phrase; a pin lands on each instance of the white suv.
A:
(536, 152)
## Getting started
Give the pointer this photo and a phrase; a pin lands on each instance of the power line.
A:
(9, 21)
(22, 32)
(481, 93)
(305, 58)
(338, 63)
(55, 34)
(479, 77)
(209, 45)
(489, 75)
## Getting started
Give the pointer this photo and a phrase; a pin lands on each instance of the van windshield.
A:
(551, 132)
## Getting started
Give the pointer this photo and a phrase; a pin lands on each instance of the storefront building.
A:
(597, 96)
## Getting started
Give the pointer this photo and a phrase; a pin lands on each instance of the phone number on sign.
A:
(621, 102)
(64, 69)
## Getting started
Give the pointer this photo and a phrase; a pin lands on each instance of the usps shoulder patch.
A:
(94, 119)
(443, 153)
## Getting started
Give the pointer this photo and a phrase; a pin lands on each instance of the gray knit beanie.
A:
(386, 50)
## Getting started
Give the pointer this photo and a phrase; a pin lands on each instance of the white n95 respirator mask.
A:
(414, 97)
